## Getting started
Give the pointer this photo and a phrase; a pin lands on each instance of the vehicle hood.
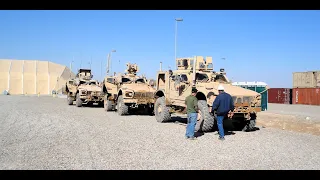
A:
(90, 87)
(138, 87)
(228, 88)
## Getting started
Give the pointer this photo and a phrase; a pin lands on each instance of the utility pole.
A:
(109, 61)
(175, 39)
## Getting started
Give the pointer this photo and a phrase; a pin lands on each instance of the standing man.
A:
(192, 109)
(223, 105)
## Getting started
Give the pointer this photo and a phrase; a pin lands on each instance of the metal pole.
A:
(90, 61)
(108, 63)
(101, 69)
(175, 39)
(175, 42)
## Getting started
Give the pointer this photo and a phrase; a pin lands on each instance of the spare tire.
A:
(206, 123)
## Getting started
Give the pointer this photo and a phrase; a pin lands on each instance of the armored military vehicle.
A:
(83, 89)
(174, 86)
(128, 91)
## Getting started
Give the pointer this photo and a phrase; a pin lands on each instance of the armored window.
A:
(140, 80)
(110, 80)
(210, 66)
(184, 77)
(185, 62)
(125, 80)
(220, 77)
(201, 77)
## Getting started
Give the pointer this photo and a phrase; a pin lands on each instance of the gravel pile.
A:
(46, 133)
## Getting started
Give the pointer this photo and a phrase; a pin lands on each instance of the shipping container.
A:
(308, 96)
(259, 87)
(280, 95)
(310, 79)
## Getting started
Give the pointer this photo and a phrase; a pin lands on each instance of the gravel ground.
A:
(46, 133)
(300, 111)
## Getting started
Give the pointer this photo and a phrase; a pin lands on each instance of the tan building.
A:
(32, 76)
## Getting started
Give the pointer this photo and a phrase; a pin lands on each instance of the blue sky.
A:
(263, 46)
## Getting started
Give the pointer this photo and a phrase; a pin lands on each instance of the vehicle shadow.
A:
(229, 127)
(90, 105)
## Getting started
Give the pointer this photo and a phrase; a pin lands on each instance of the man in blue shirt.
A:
(223, 104)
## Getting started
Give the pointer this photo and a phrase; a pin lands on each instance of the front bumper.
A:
(92, 97)
(140, 98)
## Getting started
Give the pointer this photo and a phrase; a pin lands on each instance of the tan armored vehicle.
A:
(174, 86)
(83, 89)
(128, 91)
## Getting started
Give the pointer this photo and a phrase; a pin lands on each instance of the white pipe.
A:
(175, 43)
(160, 66)
(22, 75)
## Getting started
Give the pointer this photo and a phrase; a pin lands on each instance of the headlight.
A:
(129, 94)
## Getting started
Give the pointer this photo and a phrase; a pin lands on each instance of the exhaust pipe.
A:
(160, 66)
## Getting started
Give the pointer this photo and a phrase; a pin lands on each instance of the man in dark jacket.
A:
(223, 104)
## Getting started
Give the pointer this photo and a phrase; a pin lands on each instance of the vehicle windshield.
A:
(140, 80)
(125, 80)
(220, 78)
(90, 83)
(201, 77)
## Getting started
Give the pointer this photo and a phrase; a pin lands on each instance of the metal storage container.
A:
(310, 79)
(308, 96)
(280, 95)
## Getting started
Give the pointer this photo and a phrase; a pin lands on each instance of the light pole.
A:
(71, 66)
(90, 62)
(175, 38)
(109, 57)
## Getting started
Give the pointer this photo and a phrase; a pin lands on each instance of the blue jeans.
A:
(220, 125)
(192, 121)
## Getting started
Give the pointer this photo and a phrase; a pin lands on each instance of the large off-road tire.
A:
(206, 123)
(161, 111)
(107, 104)
(70, 100)
(149, 111)
(78, 101)
(249, 125)
(122, 108)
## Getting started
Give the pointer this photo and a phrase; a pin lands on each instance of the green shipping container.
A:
(258, 89)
